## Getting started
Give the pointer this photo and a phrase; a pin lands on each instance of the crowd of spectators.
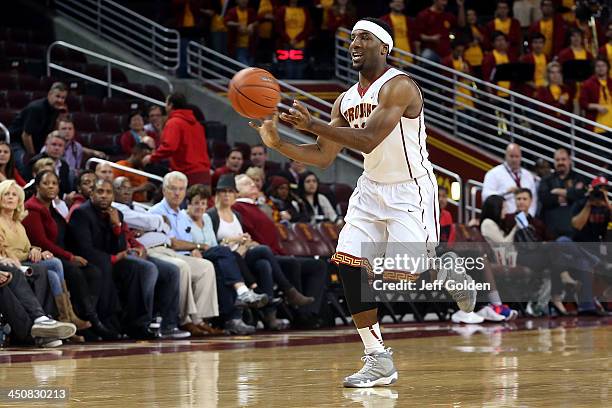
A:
(125, 256)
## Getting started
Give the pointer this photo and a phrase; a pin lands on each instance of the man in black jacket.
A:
(558, 192)
(32, 125)
(99, 236)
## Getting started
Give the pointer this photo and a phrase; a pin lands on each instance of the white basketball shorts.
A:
(389, 220)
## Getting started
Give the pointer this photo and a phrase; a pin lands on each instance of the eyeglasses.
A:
(176, 189)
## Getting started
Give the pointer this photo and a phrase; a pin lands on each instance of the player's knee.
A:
(352, 281)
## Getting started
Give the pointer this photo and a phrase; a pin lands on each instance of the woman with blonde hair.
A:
(14, 244)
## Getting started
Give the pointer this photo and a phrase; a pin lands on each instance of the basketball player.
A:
(395, 200)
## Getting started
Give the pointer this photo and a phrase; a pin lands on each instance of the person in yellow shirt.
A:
(214, 10)
(477, 42)
(498, 56)
(596, 95)
(463, 94)
(605, 51)
(241, 23)
(404, 35)
(293, 28)
(538, 59)
(265, 31)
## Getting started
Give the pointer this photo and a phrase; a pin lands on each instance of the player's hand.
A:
(267, 131)
(298, 116)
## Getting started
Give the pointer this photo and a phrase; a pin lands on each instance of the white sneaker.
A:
(489, 314)
(45, 342)
(468, 318)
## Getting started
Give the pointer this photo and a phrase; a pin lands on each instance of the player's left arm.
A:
(400, 96)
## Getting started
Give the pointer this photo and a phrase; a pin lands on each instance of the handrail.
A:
(124, 168)
(129, 30)
(489, 121)
(6, 132)
(471, 189)
(109, 62)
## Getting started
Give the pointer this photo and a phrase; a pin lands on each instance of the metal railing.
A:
(109, 63)
(470, 195)
(139, 35)
(123, 168)
(7, 134)
(216, 70)
(471, 109)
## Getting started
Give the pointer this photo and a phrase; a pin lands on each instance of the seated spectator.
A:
(8, 171)
(506, 178)
(316, 205)
(134, 135)
(155, 126)
(435, 26)
(576, 50)
(99, 236)
(447, 226)
(104, 171)
(498, 56)
(140, 184)
(552, 27)
(233, 165)
(32, 125)
(307, 273)
(17, 247)
(538, 59)
(265, 32)
(556, 94)
(596, 96)
(293, 28)
(197, 287)
(213, 10)
(229, 232)
(264, 203)
(477, 43)
(47, 229)
(456, 61)
(24, 313)
(558, 192)
(494, 211)
(288, 207)
(405, 36)
(54, 149)
(241, 24)
(341, 14)
(84, 186)
(259, 158)
(183, 142)
(175, 189)
(511, 27)
(293, 173)
(74, 152)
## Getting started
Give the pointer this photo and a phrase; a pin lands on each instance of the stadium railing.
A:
(109, 63)
(129, 30)
(216, 70)
(123, 168)
(7, 134)
(470, 194)
(489, 121)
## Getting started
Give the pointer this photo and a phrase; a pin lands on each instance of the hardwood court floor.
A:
(566, 363)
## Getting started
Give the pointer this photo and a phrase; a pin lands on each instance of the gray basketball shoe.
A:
(378, 369)
(465, 298)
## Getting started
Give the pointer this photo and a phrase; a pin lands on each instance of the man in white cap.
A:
(395, 202)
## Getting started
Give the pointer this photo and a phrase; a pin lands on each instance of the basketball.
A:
(254, 93)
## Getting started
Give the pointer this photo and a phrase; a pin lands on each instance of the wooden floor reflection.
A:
(546, 367)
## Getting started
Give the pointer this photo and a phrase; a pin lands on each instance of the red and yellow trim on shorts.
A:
(357, 262)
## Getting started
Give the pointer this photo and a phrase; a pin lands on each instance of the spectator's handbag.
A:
(526, 238)
(243, 247)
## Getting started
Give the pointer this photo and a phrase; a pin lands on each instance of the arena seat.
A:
(28, 83)
(290, 242)
(91, 104)
(8, 81)
(219, 149)
(17, 100)
(7, 116)
(154, 92)
(215, 130)
(74, 103)
(115, 105)
(342, 192)
(313, 239)
(342, 207)
(109, 123)
(84, 122)
(329, 232)
(35, 51)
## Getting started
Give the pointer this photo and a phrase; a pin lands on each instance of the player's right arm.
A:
(319, 154)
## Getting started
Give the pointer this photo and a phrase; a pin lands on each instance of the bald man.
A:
(506, 178)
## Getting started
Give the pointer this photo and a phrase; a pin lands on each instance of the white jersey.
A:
(402, 155)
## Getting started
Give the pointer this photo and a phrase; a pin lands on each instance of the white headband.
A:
(375, 29)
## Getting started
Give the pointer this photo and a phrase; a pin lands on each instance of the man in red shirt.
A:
(183, 142)
(308, 275)
(435, 26)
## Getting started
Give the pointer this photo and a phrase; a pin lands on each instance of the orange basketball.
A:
(254, 93)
